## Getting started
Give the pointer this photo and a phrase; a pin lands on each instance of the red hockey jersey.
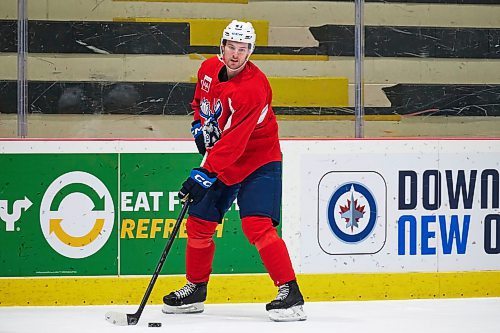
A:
(242, 108)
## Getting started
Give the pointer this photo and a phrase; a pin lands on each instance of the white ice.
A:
(444, 315)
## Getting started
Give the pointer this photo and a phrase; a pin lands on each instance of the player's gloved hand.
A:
(211, 132)
(197, 132)
(197, 185)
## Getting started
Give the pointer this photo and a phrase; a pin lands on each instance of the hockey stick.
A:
(123, 319)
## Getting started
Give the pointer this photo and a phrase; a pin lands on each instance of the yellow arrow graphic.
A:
(56, 228)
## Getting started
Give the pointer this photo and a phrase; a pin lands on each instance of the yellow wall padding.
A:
(310, 91)
(256, 288)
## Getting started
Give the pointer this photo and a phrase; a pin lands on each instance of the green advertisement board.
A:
(103, 214)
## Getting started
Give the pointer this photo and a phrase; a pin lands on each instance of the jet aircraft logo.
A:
(346, 214)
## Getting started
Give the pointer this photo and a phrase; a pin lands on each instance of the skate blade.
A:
(295, 313)
(187, 308)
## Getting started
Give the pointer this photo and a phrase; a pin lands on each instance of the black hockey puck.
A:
(154, 324)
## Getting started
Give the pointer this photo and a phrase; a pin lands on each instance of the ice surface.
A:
(444, 315)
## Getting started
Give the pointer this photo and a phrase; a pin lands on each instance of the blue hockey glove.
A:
(196, 128)
(197, 132)
(197, 185)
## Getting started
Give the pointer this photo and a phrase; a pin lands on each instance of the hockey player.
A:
(236, 130)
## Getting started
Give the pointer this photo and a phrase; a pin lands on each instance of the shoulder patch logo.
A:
(205, 83)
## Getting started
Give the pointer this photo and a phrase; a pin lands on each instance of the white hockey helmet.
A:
(238, 31)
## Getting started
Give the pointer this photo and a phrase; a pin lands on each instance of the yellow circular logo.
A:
(77, 214)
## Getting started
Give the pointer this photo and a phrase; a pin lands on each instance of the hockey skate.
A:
(287, 306)
(188, 299)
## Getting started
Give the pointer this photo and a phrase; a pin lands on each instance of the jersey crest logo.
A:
(207, 113)
(211, 130)
(205, 83)
(205, 108)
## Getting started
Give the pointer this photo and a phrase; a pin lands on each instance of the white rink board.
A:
(399, 227)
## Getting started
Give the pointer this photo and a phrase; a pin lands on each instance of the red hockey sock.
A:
(272, 249)
(200, 249)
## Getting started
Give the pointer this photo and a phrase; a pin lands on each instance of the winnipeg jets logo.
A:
(352, 212)
(205, 83)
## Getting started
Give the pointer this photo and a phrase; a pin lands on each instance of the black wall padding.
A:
(421, 42)
(98, 37)
(172, 98)
(459, 2)
(450, 99)
(100, 97)
(173, 38)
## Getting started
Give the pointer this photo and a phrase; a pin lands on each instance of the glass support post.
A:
(359, 54)
(22, 59)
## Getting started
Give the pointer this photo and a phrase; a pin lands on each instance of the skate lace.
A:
(283, 291)
(185, 291)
